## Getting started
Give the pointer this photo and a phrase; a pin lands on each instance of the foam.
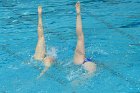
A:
(52, 52)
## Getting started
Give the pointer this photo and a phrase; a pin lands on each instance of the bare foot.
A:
(39, 9)
(77, 7)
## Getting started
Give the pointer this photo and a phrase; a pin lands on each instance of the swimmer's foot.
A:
(77, 7)
(39, 9)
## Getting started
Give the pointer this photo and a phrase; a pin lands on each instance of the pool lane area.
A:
(112, 39)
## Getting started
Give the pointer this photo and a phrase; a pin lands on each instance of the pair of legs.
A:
(79, 55)
(40, 52)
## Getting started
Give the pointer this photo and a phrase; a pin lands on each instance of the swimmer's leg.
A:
(47, 63)
(79, 51)
(40, 48)
(42, 72)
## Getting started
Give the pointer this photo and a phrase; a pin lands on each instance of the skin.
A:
(40, 48)
(40, 51)
(79, 55)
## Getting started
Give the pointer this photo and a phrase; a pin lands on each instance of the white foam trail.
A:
(74, 74)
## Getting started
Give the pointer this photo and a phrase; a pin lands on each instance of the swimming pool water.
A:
(112, 39)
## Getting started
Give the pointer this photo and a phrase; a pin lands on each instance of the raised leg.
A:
(80, 50)
(40, 52)
(40, 48)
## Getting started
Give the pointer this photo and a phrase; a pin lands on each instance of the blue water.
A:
(112, 39)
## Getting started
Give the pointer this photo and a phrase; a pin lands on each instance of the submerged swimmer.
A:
(79, 57)
(40, 52)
